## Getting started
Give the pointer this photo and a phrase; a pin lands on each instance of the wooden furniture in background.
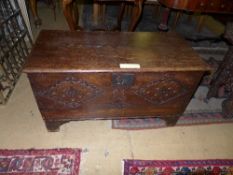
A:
(199, 6)
(71, 13)
(79, 76)
(99, 9)
(33, 6)
(135, 11)
(224, 76)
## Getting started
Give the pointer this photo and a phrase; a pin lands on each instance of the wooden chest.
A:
(111, 75)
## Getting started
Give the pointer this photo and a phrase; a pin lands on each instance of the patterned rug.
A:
(40, 162)
(178, 167)
(185, 120)
(199, 110)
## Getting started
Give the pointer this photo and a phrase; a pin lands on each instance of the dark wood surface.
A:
(76, 76)
(63, 51)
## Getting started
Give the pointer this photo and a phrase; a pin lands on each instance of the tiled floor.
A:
(21, 126)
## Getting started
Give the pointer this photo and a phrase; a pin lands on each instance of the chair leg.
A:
(53, 4)
(120, 16)
(96, 11)
(128, 10)
(137, 12)
(37, 20)
(71, 14)
(79, 15)
(200, 23)
(177, 17)
(102, 11)
(163, 26)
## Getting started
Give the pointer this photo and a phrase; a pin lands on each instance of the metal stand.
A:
(15, 44)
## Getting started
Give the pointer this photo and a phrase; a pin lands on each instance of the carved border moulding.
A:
(162, 91)
(71, 92)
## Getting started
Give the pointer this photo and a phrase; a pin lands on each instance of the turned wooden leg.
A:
(71, 14)
(79, 15)
(102, 12)
(163, 26)
(67, 11)
(177, 17)
(54, 126)
(137, 12)
(120, 17)
(37, 20)
(96, 11)
(53, 4)
(171, 120)
(128, 10)
(200, 23)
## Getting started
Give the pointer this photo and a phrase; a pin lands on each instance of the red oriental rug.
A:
(178, 167)
(184, 120)
(40, 162)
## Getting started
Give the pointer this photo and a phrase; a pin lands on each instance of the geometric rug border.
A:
(159, 126)
(133, 164)
(39, 152)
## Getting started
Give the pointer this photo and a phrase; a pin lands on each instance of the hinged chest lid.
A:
(65, 51)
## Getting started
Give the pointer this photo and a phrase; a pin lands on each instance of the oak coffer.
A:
(112, 75)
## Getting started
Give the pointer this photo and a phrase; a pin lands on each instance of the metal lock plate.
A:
(122, 79)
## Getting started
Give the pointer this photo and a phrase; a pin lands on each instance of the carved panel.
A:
(119, 99)
(71, 92)
(161, 91)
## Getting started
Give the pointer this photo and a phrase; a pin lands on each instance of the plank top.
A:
(65, 51)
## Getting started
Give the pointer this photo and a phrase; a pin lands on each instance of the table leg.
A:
(163, 26)
(137, 12)
(200, 23)
(80, 10)
(120, 17)
(178, 15)
(37, 20)
(71, 14)
(96, 7)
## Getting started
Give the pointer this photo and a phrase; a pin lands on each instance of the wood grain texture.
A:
(63, 51)
(88, 95)
(76, 76)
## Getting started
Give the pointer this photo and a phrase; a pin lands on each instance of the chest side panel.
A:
(110, 95)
